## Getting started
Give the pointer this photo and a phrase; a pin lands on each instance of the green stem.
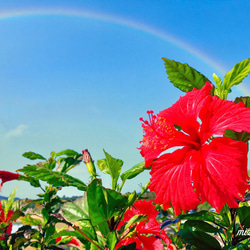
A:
(120, 189)
(234, 238)
(144, 189)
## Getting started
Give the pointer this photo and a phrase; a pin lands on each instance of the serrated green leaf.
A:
(183, 76)
(10, 201)
(83, 204)
(88, 229)
(68, 152)
(33, 156)
(201, 226)
(103, 205)
(51, 164)
(102, 165)
(72, 212)
(219, 88)
(237, 74)
(217, 80)
(112, 167)
(33, 181)
(53, 177)
(245, 100)
(76, 234)
(68, 163)
(238, 136)
(28, 220)
(134, 171)
(202, 215)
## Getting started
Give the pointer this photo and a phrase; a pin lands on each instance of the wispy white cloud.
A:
(18, 131)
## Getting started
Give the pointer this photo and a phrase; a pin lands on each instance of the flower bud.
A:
(89, 163)
(132, 198)
(7, 176)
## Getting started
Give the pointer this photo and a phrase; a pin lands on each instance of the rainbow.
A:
(129, 23)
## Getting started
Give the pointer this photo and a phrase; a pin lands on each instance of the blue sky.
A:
(79, 74)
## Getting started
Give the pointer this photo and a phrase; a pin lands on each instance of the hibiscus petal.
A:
(150, 243)
(171, 181)
(220, 115)
(186, 110)
(223, 174)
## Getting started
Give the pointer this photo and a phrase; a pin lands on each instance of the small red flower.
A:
(147, 234)
(73, 241)
(206, 166)
(7, 176)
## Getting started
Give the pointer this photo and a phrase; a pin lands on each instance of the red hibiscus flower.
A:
(147, 234)
(206, 166)
(7, 176)
(5, 219)
(73, 241)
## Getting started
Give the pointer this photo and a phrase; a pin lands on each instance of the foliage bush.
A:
(201, 187)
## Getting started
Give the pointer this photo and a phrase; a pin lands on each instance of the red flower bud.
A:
(7, 176)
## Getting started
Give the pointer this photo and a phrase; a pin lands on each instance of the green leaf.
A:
(112, 167)
(16, 214)
(240, 136)
(135, 219)
(237, 136)
(104, 204)
(10, 201)
(183, 76)
(134, 171)
(201, 240)
(68, 152)
(50, 164)
(49, 231)
(68, 163)
(53, 177)
(237, 74)
(45, 215)
(72, 212)
(97, 203)
(132, 198)
(219, 87)
(112, 240)
(202, 215)
(244, 216)
(33, 156)
(245, 100)
(88, 229)
(82, 203)
(76, 234)
(33, 181)
(28, 220)
(217, 80)
(102, 165)
(201, 226)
